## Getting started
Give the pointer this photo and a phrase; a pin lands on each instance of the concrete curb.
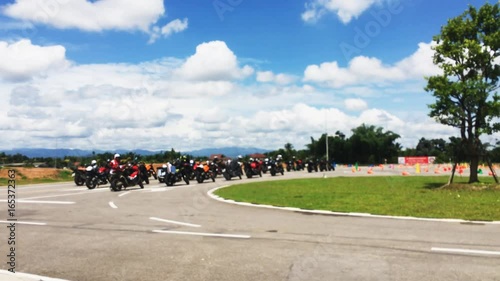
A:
(211, 194)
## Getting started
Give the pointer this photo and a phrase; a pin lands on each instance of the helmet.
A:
(191, 161)
(215, 157)
(279, 156)
(164, 166)
(251, 159)
(267, 159)
(240, 157)
(117, 155)
(93, 162)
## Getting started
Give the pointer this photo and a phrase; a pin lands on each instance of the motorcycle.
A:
(232, 169)
(161, 173)
(151, 171)
(289, 166)
(96, 176)
(253, 168)
(311, 166)
(174, 175)
(144, 172)
(266, 166)
(79, 176)
(205, 172)
(122, 179)
(323, 165)
(277, 167)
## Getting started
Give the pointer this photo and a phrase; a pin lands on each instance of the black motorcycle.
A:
(312, 166)
(144, 172)
(232, 170)
(177, 175)
(123, 179)
(96, 176)
(79, 176)
(266, 166)
(323, 165)
(290, 166)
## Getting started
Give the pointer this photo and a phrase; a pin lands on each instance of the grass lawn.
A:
(418, 196)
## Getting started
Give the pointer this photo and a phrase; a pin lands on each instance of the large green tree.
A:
(467, 52)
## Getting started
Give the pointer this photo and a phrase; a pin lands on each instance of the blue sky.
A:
(191, 74)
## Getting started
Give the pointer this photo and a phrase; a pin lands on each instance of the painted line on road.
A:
(112, 205)
(123, 194)
(67, 194)
(41, 202)
(175, 222)
(24, 222)
(211, 194)
(20, 276)
(204, 234)
(466, 251)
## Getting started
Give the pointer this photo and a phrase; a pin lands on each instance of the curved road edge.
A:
(211, 194)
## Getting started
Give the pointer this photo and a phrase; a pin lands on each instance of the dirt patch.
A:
(31, 173)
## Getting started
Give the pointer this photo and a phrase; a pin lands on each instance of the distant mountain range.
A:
(62, 152)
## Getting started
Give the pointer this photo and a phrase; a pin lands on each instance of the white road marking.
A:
(203, 234)
(19, 276)
(175, 222)
(24, 222)
(112, 205)
(123, 194)
(67, 194)
(466, 251)
(41, 202)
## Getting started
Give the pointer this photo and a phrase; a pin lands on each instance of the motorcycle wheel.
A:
(146, 180)
(186, 179)
(79, 180)
(199, 178)
(169, 180)
(117, 185)
(227, 176)
(91, 183)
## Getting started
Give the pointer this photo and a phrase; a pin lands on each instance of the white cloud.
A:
(269, 76)
(213, 61)
(345, 10)
(372, 71)
(22, 60)
(174, 26)
(186, 104)
(89, 16)
(355, 104)
(170, 28)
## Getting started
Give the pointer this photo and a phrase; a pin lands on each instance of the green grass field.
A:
(398, 196)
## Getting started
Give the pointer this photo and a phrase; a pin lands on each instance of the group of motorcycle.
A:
(127, 176)
(182, 170)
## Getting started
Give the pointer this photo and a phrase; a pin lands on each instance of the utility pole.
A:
(326, 133)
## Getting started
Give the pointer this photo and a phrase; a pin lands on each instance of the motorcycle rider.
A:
(135, 169)
(114, 164)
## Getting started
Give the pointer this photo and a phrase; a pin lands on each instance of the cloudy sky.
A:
(191, 74)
